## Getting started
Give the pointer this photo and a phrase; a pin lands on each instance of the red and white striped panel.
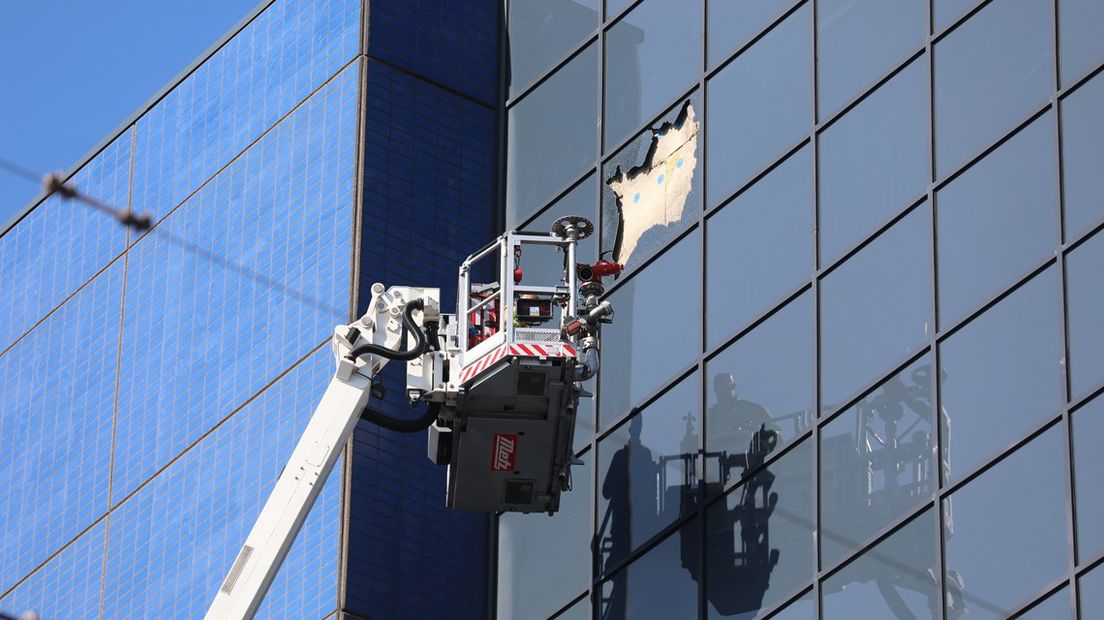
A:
(529, 350)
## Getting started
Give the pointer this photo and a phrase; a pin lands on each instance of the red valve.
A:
(597, 271)
(517, 275)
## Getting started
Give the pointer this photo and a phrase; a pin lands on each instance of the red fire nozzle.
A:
(597, 271)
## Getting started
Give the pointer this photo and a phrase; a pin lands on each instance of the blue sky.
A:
(72, 71)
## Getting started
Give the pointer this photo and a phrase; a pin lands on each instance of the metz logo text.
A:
(504, 452)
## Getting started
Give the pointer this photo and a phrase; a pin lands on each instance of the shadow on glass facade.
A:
(861, 378)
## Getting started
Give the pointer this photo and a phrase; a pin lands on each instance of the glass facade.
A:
(855, 369)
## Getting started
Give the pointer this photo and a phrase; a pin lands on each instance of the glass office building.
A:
(153, 385)
(856, 366)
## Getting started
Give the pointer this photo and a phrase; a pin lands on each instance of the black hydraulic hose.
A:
(391, 354)
(403, 425)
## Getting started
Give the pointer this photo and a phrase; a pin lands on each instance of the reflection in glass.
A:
(1088, 469)
(658, 585)
(760, 537)
(1083, 157)
(1081, 36)
(552, 135)
(579, 611)
(1001, 374)
(637, 354)
(874, 161)
(652, 54)
(1091, 589)
(1085, 307)
(947, 11)
(649, 470)
(731, 24)
(543, 561)
(876, 461)
(542, 32)
(804, 608)
(997, 220)
(990, 73)
(1006, 535)
(894, 579)
(759, 246)
(858, 41)
(1055, 607)
(758, 105)
(875, 309)
(764, 379)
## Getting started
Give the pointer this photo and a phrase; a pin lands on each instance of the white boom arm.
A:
(314, 456)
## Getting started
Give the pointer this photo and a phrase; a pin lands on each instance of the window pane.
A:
(765, 377)
(894, 579)
(652, 55)
(1088, 471)
(1085, 307)
(803, 608)
(733, 23)
(648, 471)
(875, 309)
(876, 462)
(874, 161)
(759, 246)
(1083, 157)
(543, 32)
(1008, 538)
(947, 11)
(578, 611)
(759, 553)
(638, 355)
(1081, 35)
(759, 105)
(543, 562)
(1001, 375)
(858, 41)
(552, 135)
(997, 220)
(661, 584)
(653, 189)
(1055, 607)
(1091, 590)
(990, 73)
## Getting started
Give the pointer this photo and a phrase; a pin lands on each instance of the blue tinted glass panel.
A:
(55, 421)
(60, 245)
(172, 543)
(759, 553)
(552, 135)
(746, 133)
(859, 41)
(652, 54)
(1084, 307)
(543, 561)
(1083, 157)
(578, 611)
(542, 32)
(1001, 374)
(986, 550)
(764, 378)
(653, 186)
(804, 608)
(997, 221)
(648, 469)
(289, 274)
(66, 587)
(1091, 590)
(1088, 470)
(1055, 607)
(1081, 36)
(661, 584)
(990, 73)
(875, 309)
(874, 160)
(876, 461)
(894, 579)
(637, 358)
(256, 78)
(759, 247)
(732, 24)
(948, 11)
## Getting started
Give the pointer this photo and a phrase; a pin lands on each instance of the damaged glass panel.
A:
(653, 189)
(760, 104)
(542, 32)
(652, 55)
(553, 135)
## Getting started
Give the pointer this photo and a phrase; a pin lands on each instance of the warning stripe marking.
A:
(528, 349)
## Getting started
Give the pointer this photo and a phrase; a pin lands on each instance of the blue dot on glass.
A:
(636, 197)
(659, 181)
(678, 164)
